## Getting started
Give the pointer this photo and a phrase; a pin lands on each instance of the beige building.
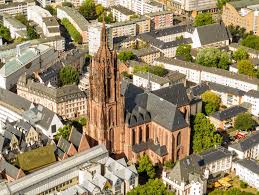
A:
(243, 14)
(67, 101)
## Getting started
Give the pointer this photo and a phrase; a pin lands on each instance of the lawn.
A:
(236, 184)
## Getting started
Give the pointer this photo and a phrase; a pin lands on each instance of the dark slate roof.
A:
(162, 112)
(75, 137)
(213, 33)
(48, 74)
(176, 94)
(123, 10)
(159, 150)
(14, 100)
(154, 78)
(253, 93)
(247, 143)
(130, 91)
(60, 153)
(251, 165)
(226, 89)
(213, 155)
(9, 168)
(229, 113)
(198, 90)
(63, 144)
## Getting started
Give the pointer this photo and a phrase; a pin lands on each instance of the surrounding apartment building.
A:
(27, 59)
(190, 175)
(195, 5)
(243, 14)
(247, 171)
(44, 3)
(15, 108)
(154, 82)
(197, 74)
(160, 19)
(252, 97)
(121, 14)
(16, 7)
(145, 6)
(76, 19)
(91, 171)
(167, 40)
(247, 148)
(44, 19)
(16, 28)
(117, 30)
(225, 119)
(67, 101)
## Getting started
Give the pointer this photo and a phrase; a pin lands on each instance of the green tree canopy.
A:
(204, 134)
(213, 57)
(238, 33)
(31, 33)
(63, 132)
(5, 33)
(51, 10)
(244, 122)
(158, 70)
(246, 67)
(184, 52)
(22, 18)
(68, 4)
(125, 55)
(251, 41)
(76, 36)
(221, 3)
(145, 165)
(232, 191)
(203, 19)
(240, 54)
(87, 9)
(99, 9)
(68, 75)
(152, 187)
(211, 102)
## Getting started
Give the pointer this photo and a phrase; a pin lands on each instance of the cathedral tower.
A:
(104, 103)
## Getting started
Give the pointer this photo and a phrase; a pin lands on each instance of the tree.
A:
(145, 165)
(22, 18)
(184, 52)
(76, 36)
(213, 57)
(51, 10)
(204, 134)
(243, 184)
(232, 191)
(244, 122)
(5, 33)
(99, 9)
(63, 132)
(211, 102)
(87, 9)
(240, 54)
(246, 67)
(125, 55)
(238, 33)
(152, 187)
(169, 164)
(158, 70)
(221, 3)
(107, 18)
(31, 33)
(68, 75)
(68, 4)
(203, 19)
(251, 41)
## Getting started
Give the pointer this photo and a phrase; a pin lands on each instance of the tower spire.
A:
(104, 41)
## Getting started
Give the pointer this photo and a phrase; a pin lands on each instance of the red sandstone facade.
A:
(106, 111)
